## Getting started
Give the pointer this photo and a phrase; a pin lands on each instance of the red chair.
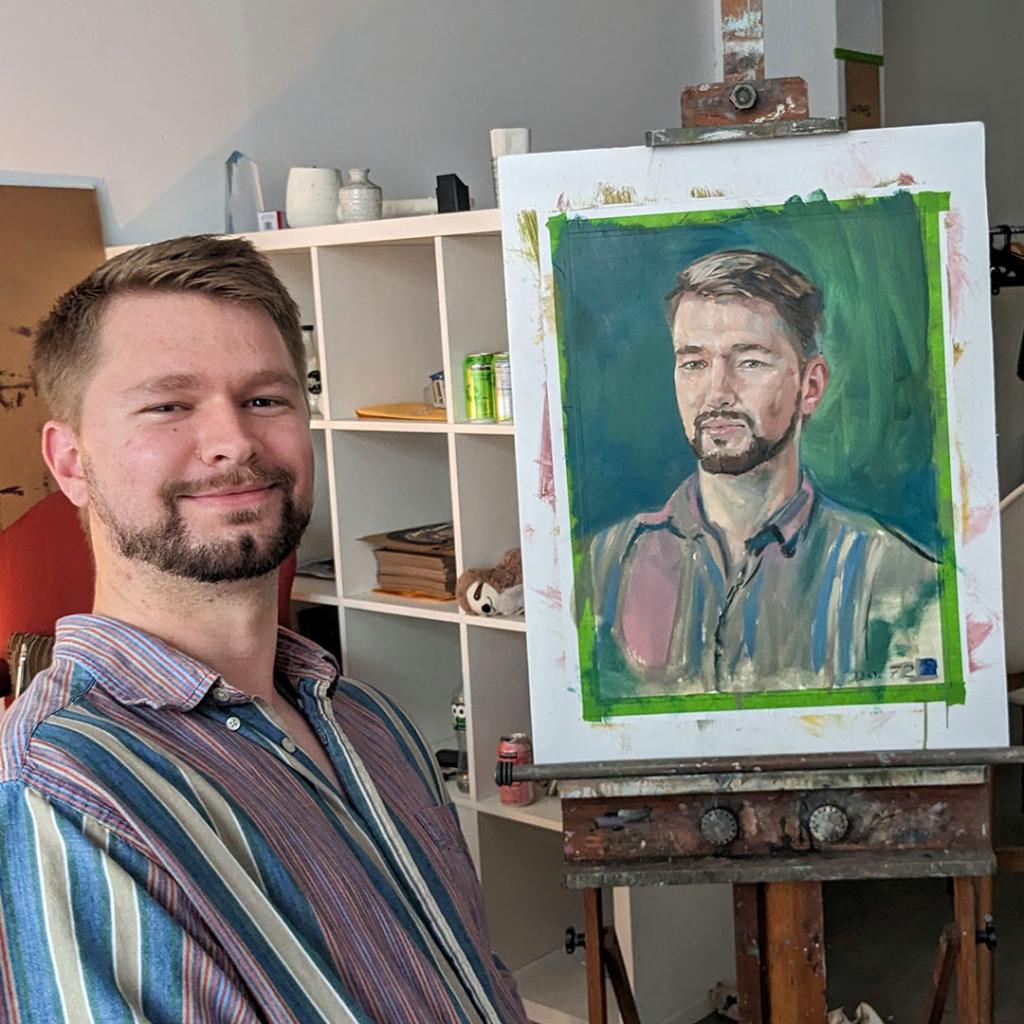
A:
(46, 572)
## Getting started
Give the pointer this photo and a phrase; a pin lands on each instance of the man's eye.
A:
(266, 402)
(692, 364)
(165, 407)
(752, 364)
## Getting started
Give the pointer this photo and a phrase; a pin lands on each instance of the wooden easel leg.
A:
(966, 911)
(986, 884)
(795, 931)
(593, 927)
(616, 968)
(942, 974)
(751, 966)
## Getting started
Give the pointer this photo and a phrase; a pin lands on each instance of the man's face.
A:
(194, 441)
(739, 386)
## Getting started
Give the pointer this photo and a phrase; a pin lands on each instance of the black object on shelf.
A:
(319, 623)
(452, 194)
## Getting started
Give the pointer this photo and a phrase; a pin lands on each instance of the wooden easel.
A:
(776, 828)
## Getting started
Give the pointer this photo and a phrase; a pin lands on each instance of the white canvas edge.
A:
(865, 162)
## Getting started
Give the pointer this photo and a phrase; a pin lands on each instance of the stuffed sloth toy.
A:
(497, 591)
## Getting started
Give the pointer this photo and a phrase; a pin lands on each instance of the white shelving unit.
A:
(394, 301)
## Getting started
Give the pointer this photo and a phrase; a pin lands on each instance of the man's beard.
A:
(167, 545)
(761, 450)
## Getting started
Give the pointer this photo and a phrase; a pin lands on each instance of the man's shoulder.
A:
(383, 733)
(619, 534)
(46, 698)
(855, 525)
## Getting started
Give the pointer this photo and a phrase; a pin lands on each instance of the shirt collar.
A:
(684, 514)
(137, 668)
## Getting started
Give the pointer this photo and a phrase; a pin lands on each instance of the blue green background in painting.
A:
(878, 441)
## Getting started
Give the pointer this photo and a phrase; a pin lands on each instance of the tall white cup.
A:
(312, 196)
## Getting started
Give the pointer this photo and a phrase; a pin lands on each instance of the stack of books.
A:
(416, 562)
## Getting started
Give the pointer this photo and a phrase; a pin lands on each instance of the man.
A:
(750, 578)
(201, 820)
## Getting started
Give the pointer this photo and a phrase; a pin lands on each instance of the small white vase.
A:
(311, 196)
(360, 199)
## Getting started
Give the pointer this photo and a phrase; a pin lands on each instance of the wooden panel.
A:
(942, 975)
(794, 929)
(597, 1002)
(773, 824)
(742, 39)
(708, 105)
(52, 239)
(751, 966)
(965, 902)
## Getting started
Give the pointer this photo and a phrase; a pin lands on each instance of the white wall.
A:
(946, 60)
(153, 96)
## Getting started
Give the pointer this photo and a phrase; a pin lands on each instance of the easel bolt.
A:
(987, 936)
(743, 96)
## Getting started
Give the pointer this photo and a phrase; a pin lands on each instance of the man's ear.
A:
(815, 380)
(64, 460)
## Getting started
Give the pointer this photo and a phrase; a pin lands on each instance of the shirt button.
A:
(233, 723)
(289, 744)
(221, 693)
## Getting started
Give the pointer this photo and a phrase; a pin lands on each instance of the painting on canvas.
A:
(763, 516)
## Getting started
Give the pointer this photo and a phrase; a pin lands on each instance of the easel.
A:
(776, 828)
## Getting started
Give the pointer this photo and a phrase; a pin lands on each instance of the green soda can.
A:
(479, 377)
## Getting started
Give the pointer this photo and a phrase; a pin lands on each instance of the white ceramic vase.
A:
(311, 196)
(360, 198)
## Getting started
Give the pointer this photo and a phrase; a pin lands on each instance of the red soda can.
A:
(516, 749)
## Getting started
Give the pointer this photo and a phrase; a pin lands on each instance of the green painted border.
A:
(953, 691)
(858, 56)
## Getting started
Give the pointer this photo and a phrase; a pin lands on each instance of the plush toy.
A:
(497, 591)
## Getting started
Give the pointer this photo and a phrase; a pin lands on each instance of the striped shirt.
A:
(169, 855)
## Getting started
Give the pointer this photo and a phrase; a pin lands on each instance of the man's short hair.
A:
(756, 275)
(224, 269)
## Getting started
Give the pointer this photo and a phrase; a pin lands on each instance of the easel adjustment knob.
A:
(574, 940)
(719, 826)
(829, 824)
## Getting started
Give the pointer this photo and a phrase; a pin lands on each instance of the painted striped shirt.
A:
(823, 596)
(168, 854)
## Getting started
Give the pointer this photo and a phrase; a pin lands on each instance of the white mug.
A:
(312, 196)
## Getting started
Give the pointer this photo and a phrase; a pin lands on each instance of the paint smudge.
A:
(956, 263)
(705, 192)
(25, 332)
(902, 178)
(552, 597)
(959, 348)
(529, 531)
(965, 493)
(978, 521)
(612, 195)
(545, 460)
(15, 490)
(978, 631)
(880, 719)
(529, 236)
(814, 724)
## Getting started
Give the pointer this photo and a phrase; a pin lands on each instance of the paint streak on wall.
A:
(705, 192)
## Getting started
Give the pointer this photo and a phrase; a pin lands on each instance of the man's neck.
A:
(232, 627)
(740, 505)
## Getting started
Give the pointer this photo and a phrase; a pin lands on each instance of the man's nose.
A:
(721, 392)
(225, 436)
